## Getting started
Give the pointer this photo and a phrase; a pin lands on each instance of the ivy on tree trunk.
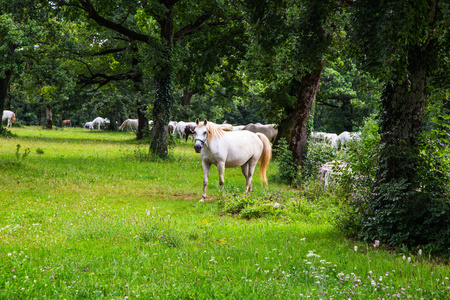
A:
(162, 106)
(403, 106)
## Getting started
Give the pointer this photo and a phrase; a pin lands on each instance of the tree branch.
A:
(194, 26)
(109, 51)
(87, 6)
(328, 104)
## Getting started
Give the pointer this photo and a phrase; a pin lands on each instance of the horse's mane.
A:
(213, 131)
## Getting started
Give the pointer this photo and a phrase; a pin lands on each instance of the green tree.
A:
(22, 27)
(345, 98)
(406, 44)
(295, 40)
(156, 26)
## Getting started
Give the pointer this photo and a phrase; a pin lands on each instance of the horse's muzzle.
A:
(198, 148)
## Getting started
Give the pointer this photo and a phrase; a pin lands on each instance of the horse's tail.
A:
(265, 157)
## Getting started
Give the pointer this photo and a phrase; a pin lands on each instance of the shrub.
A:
(287, 170)
(413, 209)
(318, 153)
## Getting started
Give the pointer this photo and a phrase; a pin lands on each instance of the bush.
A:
(318, 154)
(412, 210)
(287, 170)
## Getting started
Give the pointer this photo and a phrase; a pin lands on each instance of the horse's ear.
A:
(206, 121)
(197, 121)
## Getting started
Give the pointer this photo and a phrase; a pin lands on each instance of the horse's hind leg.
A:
(251, 169)
(221, 169)
(245, 171)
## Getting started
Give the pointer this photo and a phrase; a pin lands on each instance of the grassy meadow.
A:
(86, 215)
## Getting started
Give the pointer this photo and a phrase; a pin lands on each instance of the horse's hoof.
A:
(202, 200)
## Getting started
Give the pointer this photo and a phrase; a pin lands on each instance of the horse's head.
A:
(200, 135)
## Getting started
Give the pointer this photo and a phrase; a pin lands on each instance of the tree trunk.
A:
(403, 106)
(38, 117)
(8, 99)
(164, 100)
(142, 123)
(49, 117)
(137, 83)
(285, 128)
(4, 84)
(186, 103)
(305, 101)
(60, 121)
(161, 112)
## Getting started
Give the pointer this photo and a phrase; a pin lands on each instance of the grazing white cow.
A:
(268, 130)
(129, 124)
(10, 116)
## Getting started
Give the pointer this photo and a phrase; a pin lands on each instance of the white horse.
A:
(331, 139)
(10, 116)
(181, 126)
(99, 121)
(172, 127)
(231, 149)
(318, 135)
(130, 124)
(238, 127)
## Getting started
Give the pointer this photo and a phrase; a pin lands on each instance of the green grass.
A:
(87, 216)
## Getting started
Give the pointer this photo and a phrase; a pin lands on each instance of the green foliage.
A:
(309, 203)
(318, 154)
(5, 132)
(288, 172)
(346, 96)
(411, 213)
(356, 184)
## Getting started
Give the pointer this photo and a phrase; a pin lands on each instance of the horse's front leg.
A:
(206, 167)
